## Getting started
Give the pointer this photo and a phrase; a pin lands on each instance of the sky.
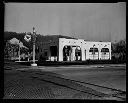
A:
(89, 21)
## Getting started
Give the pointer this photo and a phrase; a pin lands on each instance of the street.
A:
(44, 81)
(109, 76)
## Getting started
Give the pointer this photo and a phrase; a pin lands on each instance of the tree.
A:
(119, 50)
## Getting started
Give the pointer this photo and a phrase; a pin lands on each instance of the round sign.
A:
(27, 37)
(78, 48)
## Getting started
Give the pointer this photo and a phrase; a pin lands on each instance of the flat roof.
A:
(86, 40)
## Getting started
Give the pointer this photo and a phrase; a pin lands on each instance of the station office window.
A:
(93, 50)
(104, 50)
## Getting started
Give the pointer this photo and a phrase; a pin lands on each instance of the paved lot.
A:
(34, 84)
(25, 82)
(113, 76)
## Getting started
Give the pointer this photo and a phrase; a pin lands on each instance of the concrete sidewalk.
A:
(75, 67)
(72, 67)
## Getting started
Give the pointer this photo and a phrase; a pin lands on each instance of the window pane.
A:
(104, 50)
(93, 50)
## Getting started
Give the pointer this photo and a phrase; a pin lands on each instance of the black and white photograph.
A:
(65, 51)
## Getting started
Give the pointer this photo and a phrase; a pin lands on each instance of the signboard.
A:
(27, 37)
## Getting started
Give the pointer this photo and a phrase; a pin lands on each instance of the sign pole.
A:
(19, 50)
(34, 39)
(93, 51)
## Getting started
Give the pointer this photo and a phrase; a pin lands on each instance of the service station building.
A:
(63, 49)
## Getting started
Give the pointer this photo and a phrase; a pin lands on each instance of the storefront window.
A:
(104, 50)
(93, 50)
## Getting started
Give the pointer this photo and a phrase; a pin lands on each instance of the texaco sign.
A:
(27, 37)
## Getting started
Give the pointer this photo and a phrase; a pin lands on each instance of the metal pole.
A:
(28, 56)
(93, 52)
(33, 51)
(34, 38)
(19, 50)
(33, 45)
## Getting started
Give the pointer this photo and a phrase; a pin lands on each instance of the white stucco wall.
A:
(69, 42)
(84, 45)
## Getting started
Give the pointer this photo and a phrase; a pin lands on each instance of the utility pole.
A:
(34, 39)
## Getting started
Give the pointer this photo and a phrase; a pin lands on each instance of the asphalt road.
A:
(22, 84)
(113, 76)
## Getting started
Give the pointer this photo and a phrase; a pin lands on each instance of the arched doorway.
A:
(78, 53)
(67, 50)
(93, 53)
(72, 53)
(105, 53)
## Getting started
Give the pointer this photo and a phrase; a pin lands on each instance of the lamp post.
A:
(93, 51)
(19, 50)
(34, 39)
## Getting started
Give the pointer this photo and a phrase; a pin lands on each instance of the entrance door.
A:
(53, 51)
